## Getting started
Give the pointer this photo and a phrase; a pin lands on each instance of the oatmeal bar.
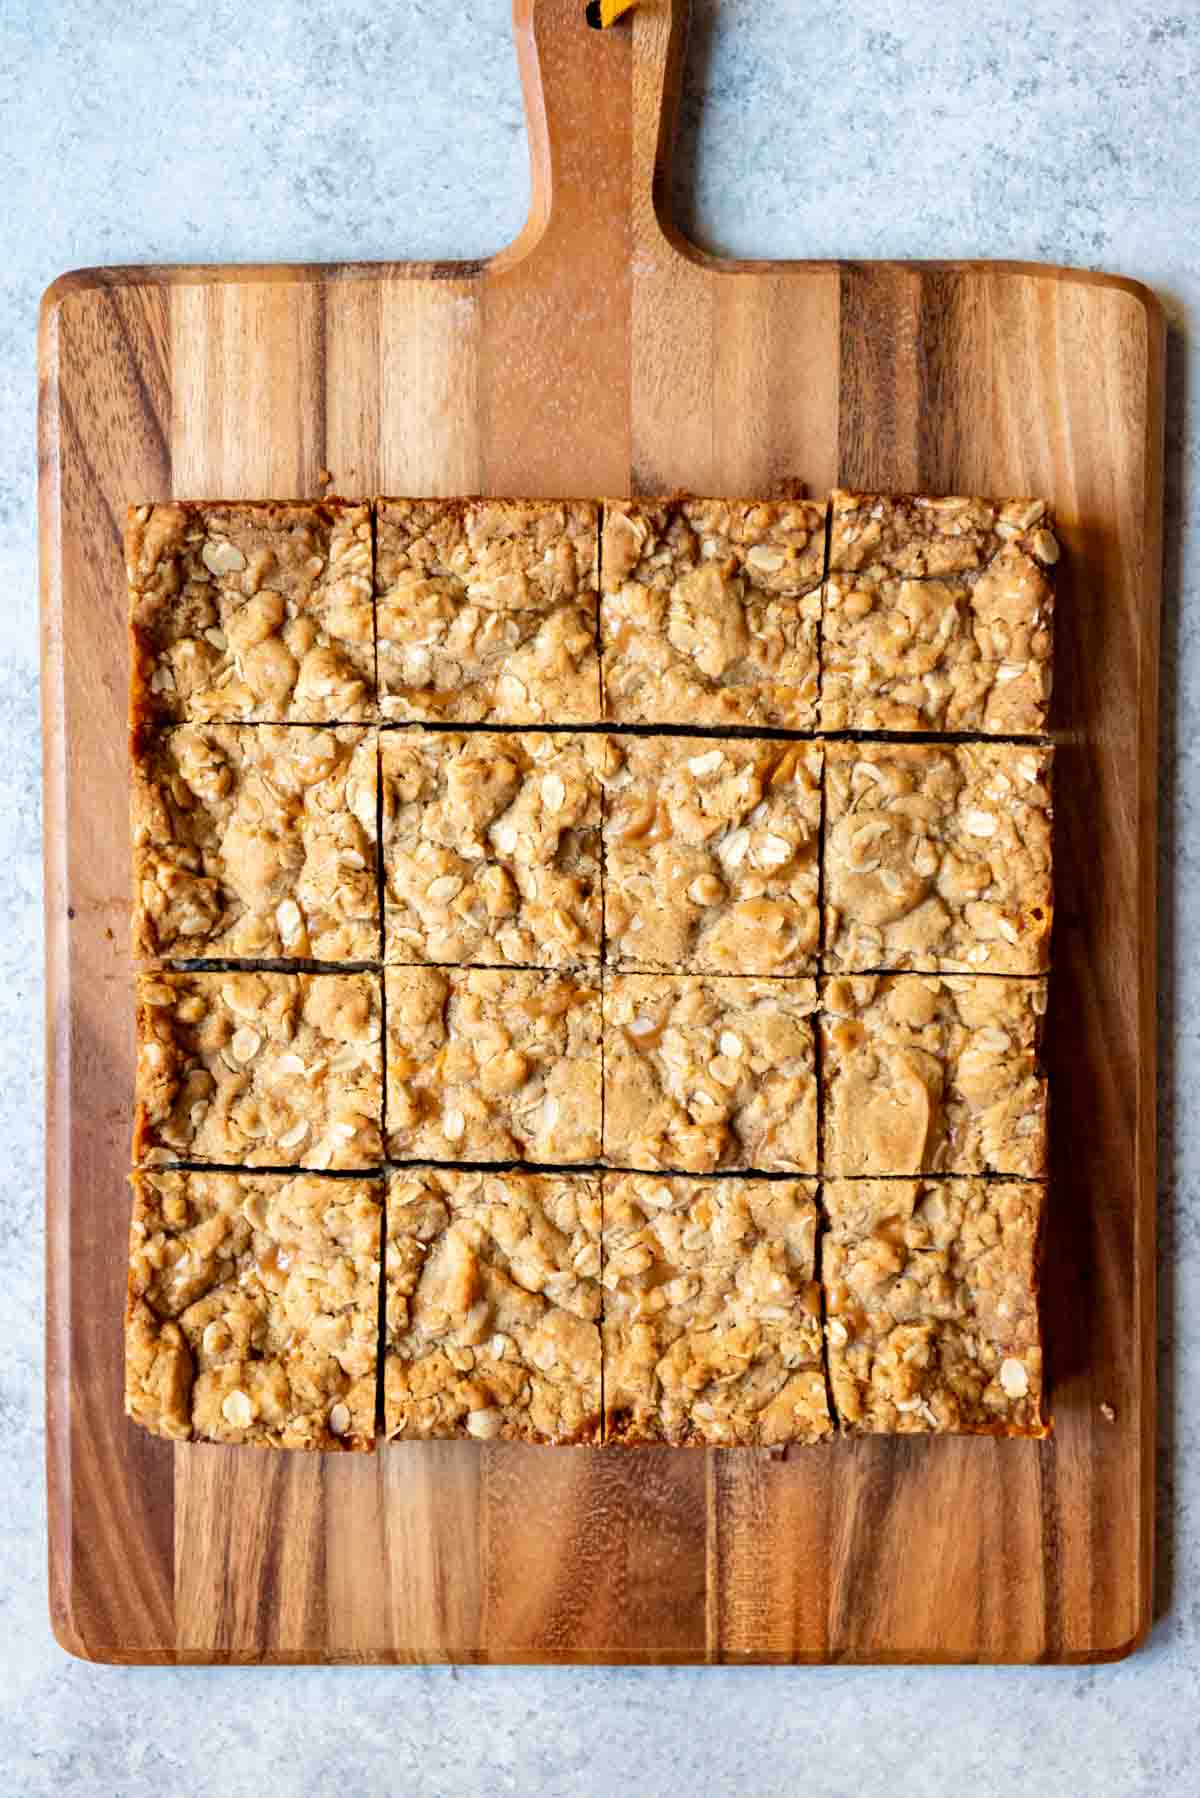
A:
(250, 612)
(937, 857)
(255, 841)
(709, 611)
(937, 615)
(712, 1331)
(486, 610)
(492, 847)
(492, 1065)
(493, 1306)
(711, 855)
(931, 1291)
(933, 1074)
(704, 1072)
(253, 1312)
(265, 1070)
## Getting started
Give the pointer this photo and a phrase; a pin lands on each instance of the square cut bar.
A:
(929, 1073)
(486, 610)
(931, 1295)
(487, 1064)
(255, 841)
(492, 847)
(253, 1313)
(703, 1072)
(493, 1306)
(711, 855)
(709, 610)
(937, 615)
(712, 1315)
(938, 857)
(262, 1070)
(250, 612)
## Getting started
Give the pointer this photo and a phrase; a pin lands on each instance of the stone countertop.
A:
(339, 129)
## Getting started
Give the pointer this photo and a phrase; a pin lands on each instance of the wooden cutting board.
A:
(600, 354)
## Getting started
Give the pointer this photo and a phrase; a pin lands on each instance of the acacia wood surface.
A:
(602, 354)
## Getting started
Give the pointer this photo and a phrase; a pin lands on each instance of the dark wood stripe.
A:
(880, 390)
(108, 438)
(147, 356)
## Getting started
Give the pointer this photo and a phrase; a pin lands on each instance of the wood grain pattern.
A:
(600, 353)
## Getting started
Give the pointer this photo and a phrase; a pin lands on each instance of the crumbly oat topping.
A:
(968, 654)
(702, 1072)
(938, 857)
(492, 848)
(251, 612)
(492, 1065)
(255, 841)
(262, 1070)
(253, 1299)
(933, 1074)
(711, 852)
(493, 1306)
(486, 610)
(712, 1328)
(931, 1300)
(709, 611)
(910, 535)
(253, 1308)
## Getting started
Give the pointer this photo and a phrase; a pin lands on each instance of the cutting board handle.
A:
(600, 113)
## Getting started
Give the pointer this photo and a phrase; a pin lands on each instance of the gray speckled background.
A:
(226, 130)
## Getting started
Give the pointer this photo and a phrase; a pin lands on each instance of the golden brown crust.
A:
(258, 1069)
(250, 612)
(493, 1306)
(491, 847)
(486, 610)
(712, 1317)
(709, 611)
(933, 1073)
(931, 1290)
(711, 855)
(490, 1064)
(702, 1073)
(255, 842)
(938, 857)
(253, 1308)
